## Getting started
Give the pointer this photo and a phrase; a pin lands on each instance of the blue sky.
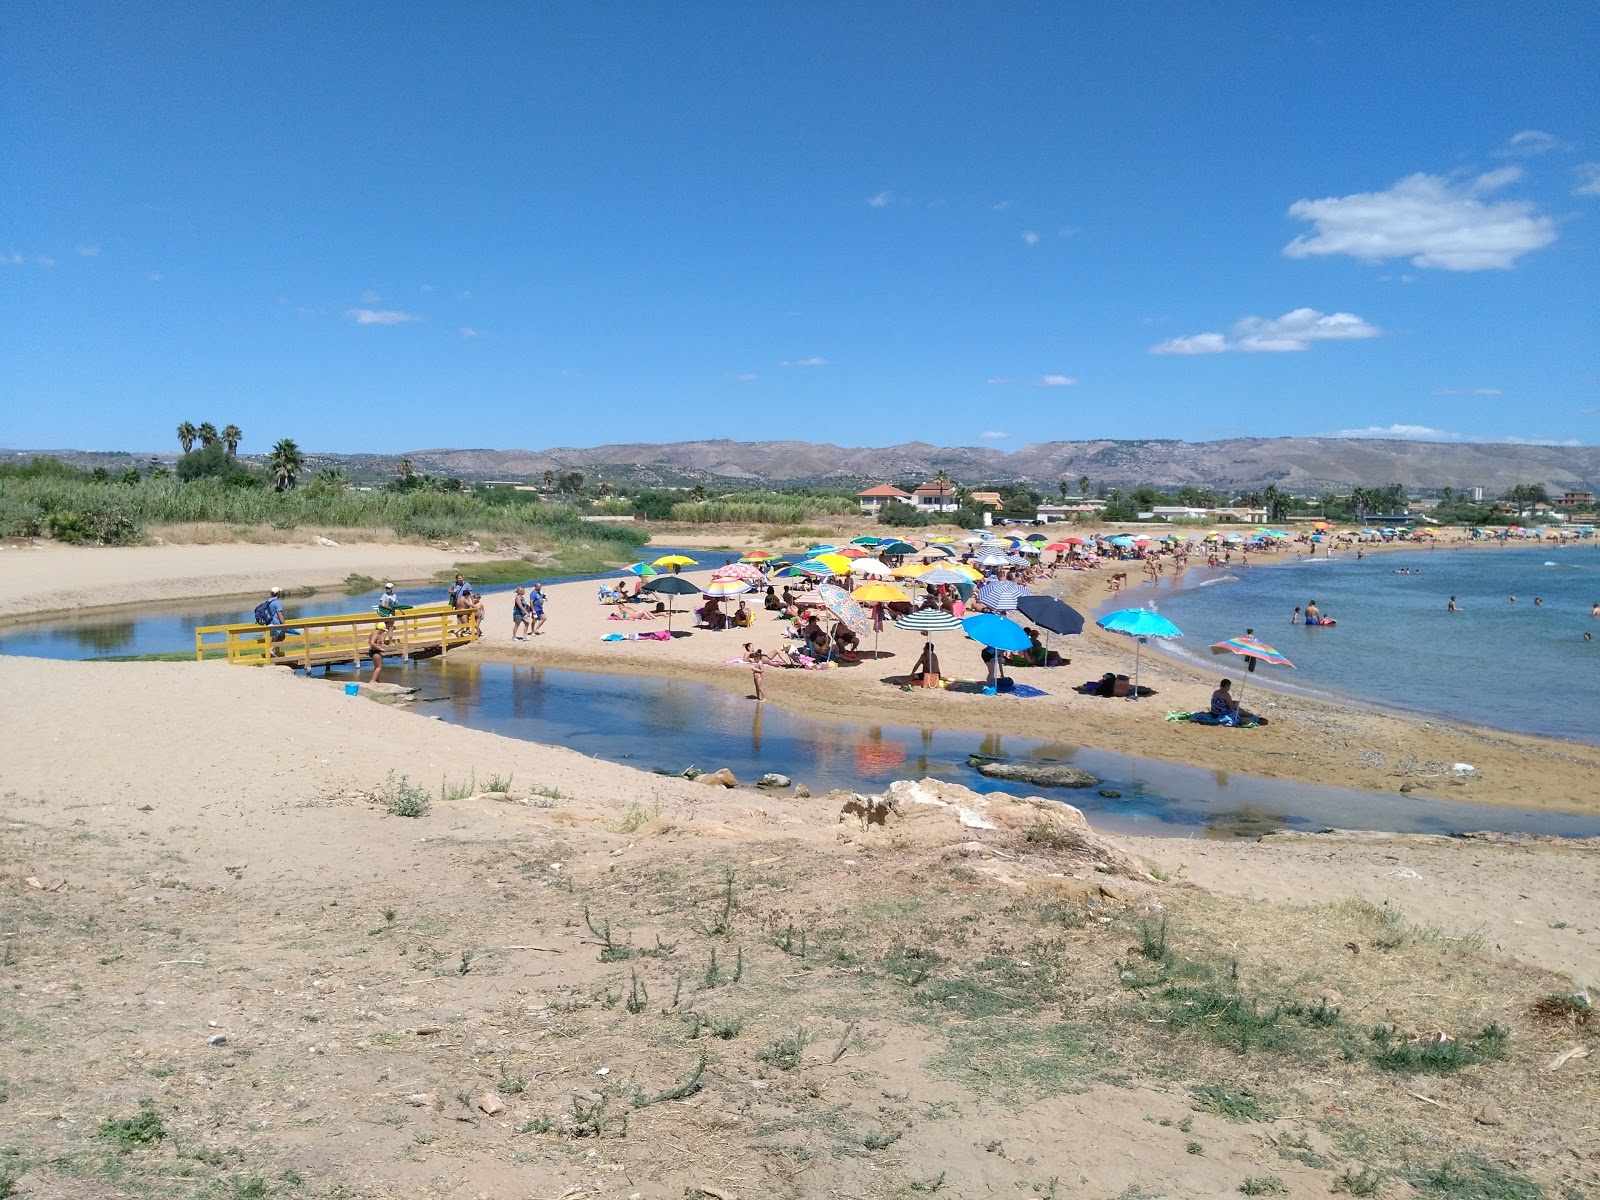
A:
(404, 225)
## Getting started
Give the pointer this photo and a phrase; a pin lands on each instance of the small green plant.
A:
(1194, 1148)
(1263, 1185)
(388, 916)
(457, 791)
(633, 818)
(144, 1128)
(355, 583)
(880, 1141)
(1049, 837)
(1153, 941)
(1237, 1105)
(715, 976)
(1438, 1055)
(498, 784)
(1364, 1182)
(910, 964)
(682, 1091)
(844, 1043)
(785, 1053)
(1471, 1178)
(638, 996)
(248, 1187)
(402, 797)
(719, 922)
(511, 1085)
(790, 944)
(723, 1030)
(928, 1185)
(539, 1124)
(8, 1183)
(548, 793)
(466, 962)
(589, 1119)
(610, 951)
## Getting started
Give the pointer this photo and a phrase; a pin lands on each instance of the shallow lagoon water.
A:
(667, 725)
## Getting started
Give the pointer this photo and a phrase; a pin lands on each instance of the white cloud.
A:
(1295, 330)
(1055, 381)
(468, 333)
(1000, 206)
(11, 260)
(1530, 142)
(1068, 231)
(88, 249)
(1482, 391)
(380, 316)
(993, 436)
(805, 362)
(1030, 237)
(44, 260)
(425, 288)
(1429, 219)
(1588, 179)
(881, 200)
(154, 276)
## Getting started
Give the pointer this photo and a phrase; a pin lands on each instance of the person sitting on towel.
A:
(1225, 708)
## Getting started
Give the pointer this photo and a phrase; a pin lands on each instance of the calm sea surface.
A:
(1521, 667)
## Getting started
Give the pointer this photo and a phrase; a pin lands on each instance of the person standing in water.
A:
(1313, 613)
(1249, 659)
(1451, 607)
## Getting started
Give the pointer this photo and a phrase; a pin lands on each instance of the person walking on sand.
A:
(375, 648)
(536, 603)
(520, 614)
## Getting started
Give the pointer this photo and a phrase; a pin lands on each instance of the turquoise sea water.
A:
(1523, 667)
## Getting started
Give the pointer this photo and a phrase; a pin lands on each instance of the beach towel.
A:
(654, 635)
(1205, 718)
(980, 687)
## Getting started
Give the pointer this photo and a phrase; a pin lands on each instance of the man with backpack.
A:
(270, 613)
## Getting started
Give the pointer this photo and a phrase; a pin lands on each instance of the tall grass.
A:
(52, 503)
(763, 508)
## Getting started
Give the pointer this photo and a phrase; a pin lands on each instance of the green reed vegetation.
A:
(46, 497)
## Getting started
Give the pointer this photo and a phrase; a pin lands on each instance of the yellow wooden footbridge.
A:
(327, 641)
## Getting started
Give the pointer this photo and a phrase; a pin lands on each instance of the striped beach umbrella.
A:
(928, 620)
(643, 570)
(943, 575)
(1250, 649)
(758, 556)
(726, 587)
(1001, 595)
(740, 570)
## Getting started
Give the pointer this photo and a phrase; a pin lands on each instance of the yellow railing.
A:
(318, 641)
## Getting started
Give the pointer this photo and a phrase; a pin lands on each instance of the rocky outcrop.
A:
(1041, 774)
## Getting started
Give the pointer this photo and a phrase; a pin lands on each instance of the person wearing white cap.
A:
(272, 608)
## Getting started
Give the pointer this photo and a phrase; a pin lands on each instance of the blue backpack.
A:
(264, 613)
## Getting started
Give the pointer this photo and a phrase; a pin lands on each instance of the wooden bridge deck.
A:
(329, 641)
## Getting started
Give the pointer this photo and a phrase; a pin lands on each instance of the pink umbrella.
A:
(742, 571)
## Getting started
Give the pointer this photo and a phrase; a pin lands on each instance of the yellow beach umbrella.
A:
(971, 573)
(837, 563)
(880, 593)
(940, 539)
(911, 570)
(673, 560)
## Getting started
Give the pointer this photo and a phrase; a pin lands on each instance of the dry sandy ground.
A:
(1306, 740)
(46, 577)
(988, 1002)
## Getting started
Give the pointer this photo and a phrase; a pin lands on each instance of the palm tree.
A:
(405, 468)
(186, 435)
(331, 477)
(1273, 499)
(208, 434)
(549, 480)
(232, 435)
(697, 493)
(285, 462)
(1063, 488)
(1083, 485)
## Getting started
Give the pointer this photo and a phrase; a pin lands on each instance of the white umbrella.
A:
(873, 567)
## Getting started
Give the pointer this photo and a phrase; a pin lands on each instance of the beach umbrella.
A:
(872, 567)
(853, 552)
(1250, 648)
(837, 563)
(896, 548)
(999, 635)
(673, 560)
(725, 587)
(670, 585)
(822, 549)
(839, 602)
(742, 571)
(1037, 537)
(1058, 547)
(1047, 612)
(994, 559)
(1001, 595)
(943, 575)
(643, 570)
(1051, 615)
(758, 556)
(1139, 624)
(972, 573)
(865, 541)
(911, 570)
(879, 594)
(938, 552)
(786, 571)
(928, 620)
(814, 569)
(942, 538)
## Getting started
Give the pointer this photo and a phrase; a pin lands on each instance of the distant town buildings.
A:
(935, 497)
(1575, 499)
(874, 498)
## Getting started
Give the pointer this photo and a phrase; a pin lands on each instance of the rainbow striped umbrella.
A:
(726, 587)
(1250, 649)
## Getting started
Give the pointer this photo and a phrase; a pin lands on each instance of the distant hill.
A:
(1295, 464)
(1301, 465)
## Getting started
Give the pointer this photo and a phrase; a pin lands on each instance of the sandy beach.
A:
(505, 996)
(1306, 741)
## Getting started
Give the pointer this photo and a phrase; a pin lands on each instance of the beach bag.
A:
(264, 613)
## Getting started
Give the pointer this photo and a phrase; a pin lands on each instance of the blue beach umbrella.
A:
(1139, 624)
(988, 629)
